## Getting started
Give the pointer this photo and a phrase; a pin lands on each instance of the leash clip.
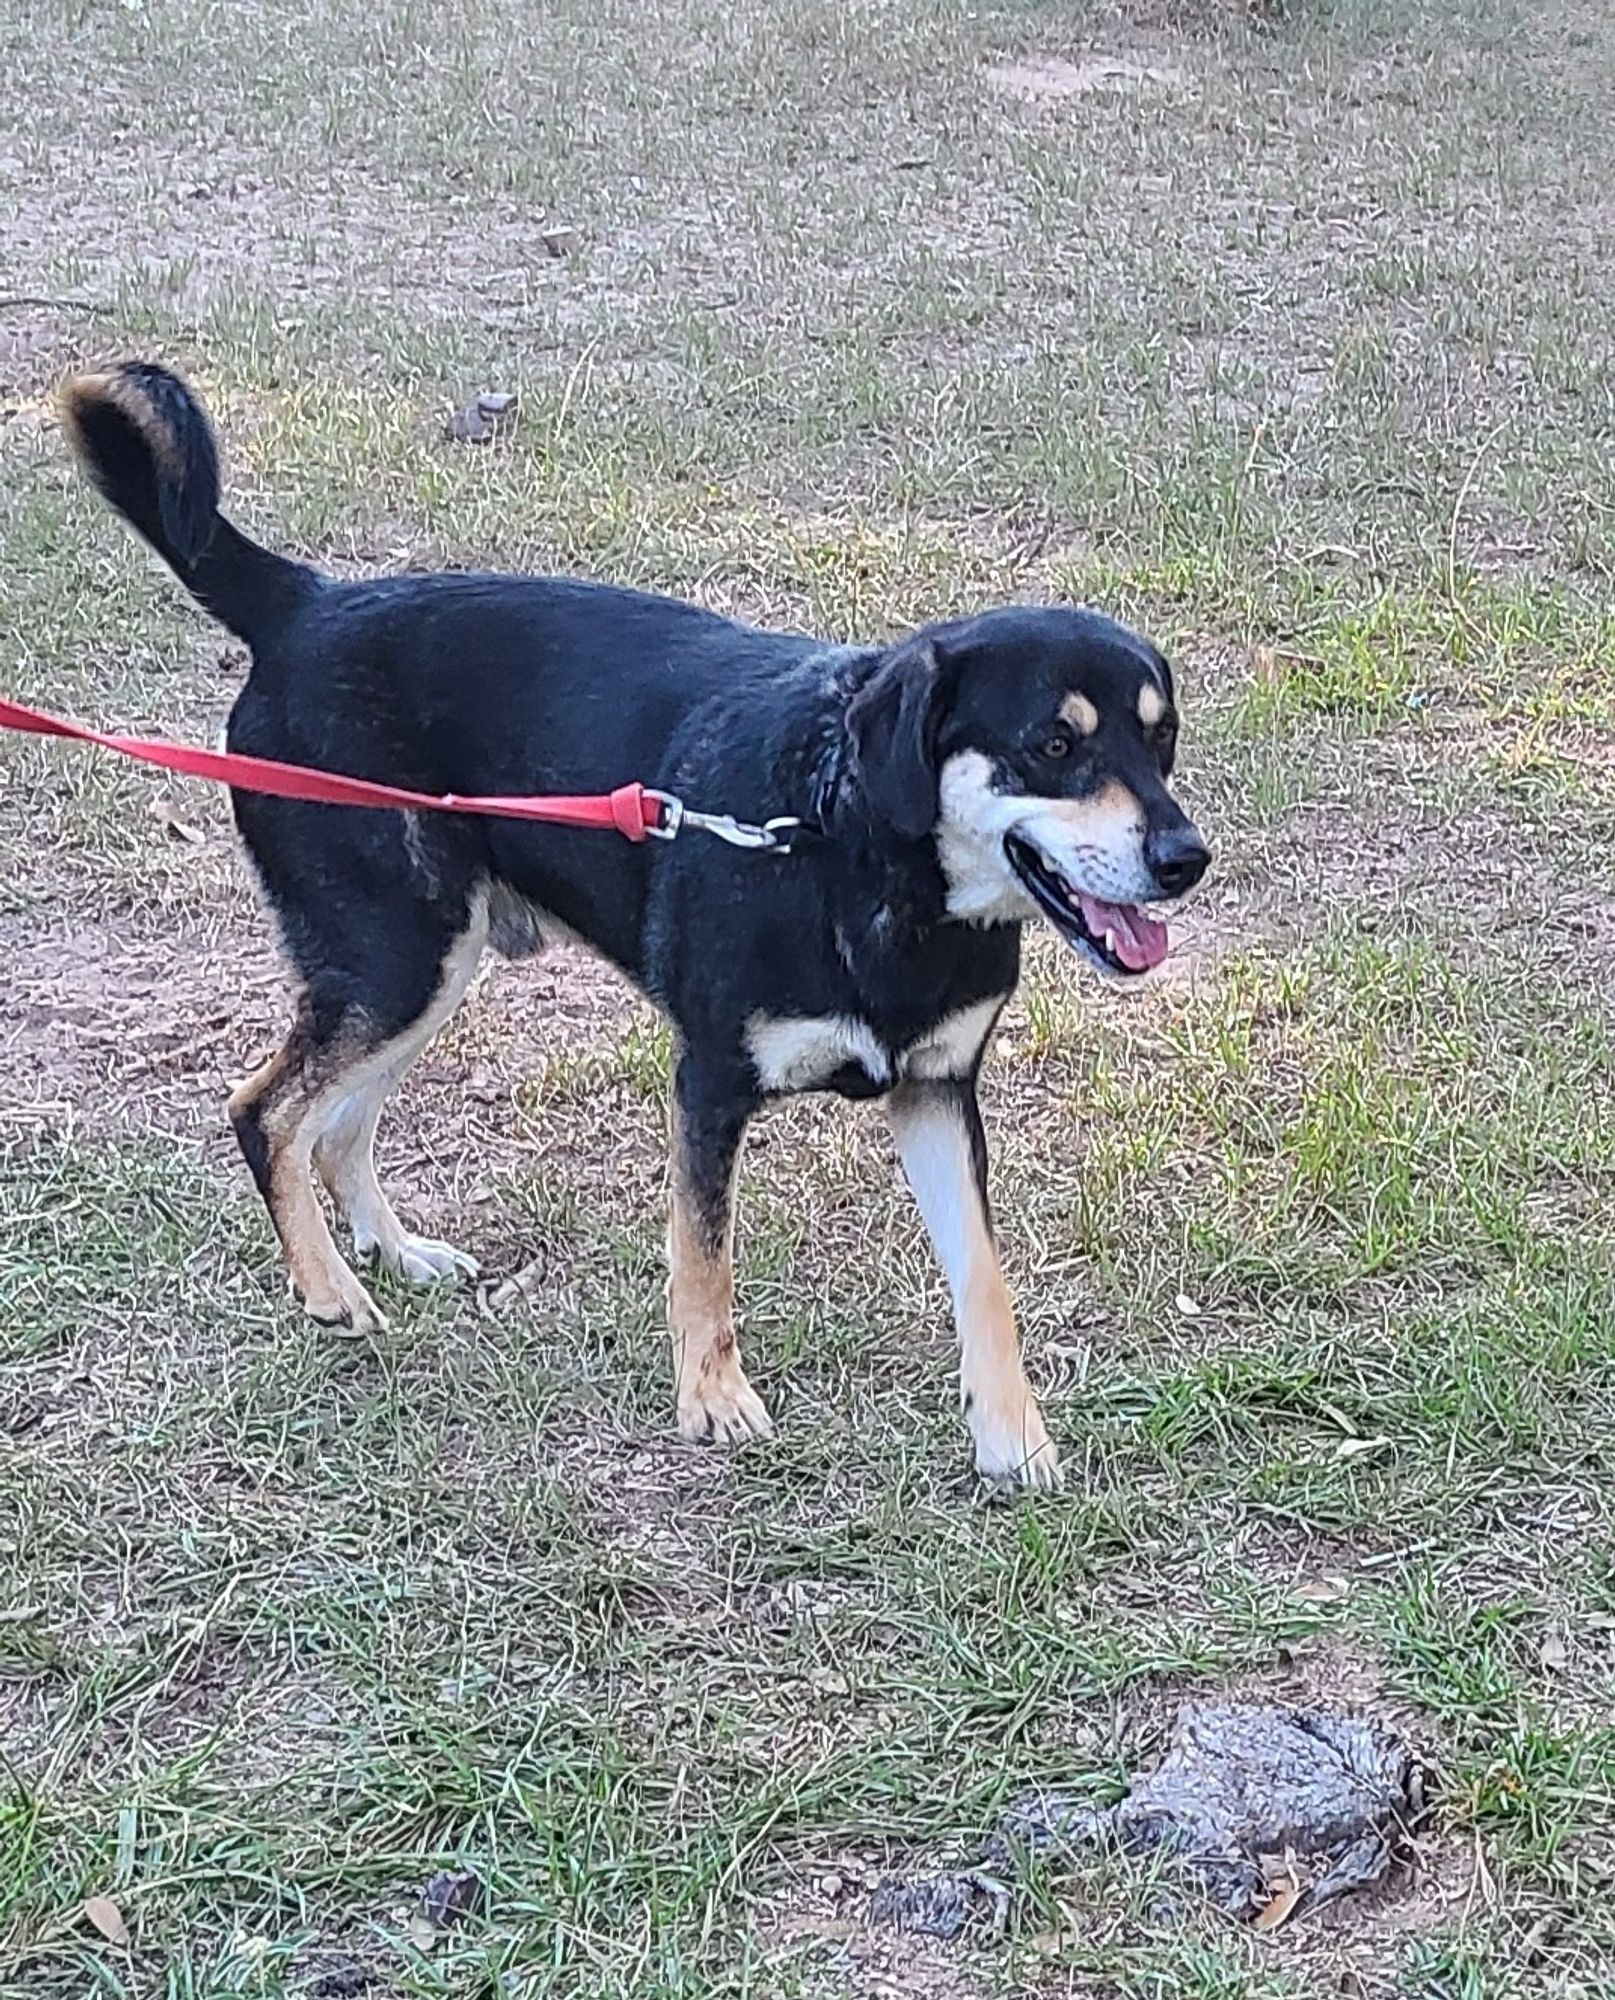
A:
(774, 835)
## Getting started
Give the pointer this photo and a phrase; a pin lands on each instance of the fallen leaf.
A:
(523, 1284)
(1322, 1590)
(107, 1918)
(1555, 1653)
(483, 417)
(1279, 1908)
(562, 240)
(1266, 666)
(469, 425)
(1356, 1447)
(1189, 1308)
(166, 813)
(451, 1894)
(421, 1934)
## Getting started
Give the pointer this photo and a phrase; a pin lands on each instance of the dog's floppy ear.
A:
(892, 722)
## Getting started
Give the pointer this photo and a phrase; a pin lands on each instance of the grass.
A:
(1295, 348)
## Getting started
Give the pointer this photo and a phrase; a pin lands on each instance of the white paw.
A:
(725, 1408)
(1013, 1447)
(425, 1262)
(419, 1260)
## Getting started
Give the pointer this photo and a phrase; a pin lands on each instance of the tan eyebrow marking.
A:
(1151, 704)
(1080, 712)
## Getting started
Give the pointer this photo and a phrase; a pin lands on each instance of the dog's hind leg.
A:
(344, 1157)
(344, 1152)
(710, 1109)
(320, 1096)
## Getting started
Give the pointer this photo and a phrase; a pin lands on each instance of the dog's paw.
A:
(343, 1303)
(1013, 1446)
(420, 1260)
(725, 1408)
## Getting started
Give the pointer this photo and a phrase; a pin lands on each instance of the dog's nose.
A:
(1177, 858)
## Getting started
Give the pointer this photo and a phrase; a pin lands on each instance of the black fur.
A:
(493, 684)
(149, 449)
(892, 721)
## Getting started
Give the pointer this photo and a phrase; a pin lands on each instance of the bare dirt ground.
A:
(1283, 333)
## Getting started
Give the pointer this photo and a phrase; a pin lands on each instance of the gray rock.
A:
(1244, 1798)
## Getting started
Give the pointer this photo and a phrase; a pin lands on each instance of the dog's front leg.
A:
(711, 1105)
(937, 1126)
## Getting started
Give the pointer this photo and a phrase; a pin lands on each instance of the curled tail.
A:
(145, 443)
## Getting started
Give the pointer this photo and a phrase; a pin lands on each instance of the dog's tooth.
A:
(1110, 940)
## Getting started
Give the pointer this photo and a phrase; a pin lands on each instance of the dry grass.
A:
(1288, 336)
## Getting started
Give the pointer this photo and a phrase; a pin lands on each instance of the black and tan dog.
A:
(978, 774)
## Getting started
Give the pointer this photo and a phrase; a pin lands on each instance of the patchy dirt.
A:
(34, 350)
(1043, 78)
(870, 1964)
(133, 1029)
(144, 1030)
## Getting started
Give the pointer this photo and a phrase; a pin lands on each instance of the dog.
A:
(951, 787)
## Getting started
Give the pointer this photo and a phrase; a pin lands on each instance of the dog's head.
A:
(1035, 746)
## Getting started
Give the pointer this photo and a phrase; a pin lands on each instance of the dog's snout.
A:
(1177, 858)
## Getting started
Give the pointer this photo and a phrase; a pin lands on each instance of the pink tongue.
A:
(1137, 940)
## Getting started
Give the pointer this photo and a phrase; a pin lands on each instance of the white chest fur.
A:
(798, 1051)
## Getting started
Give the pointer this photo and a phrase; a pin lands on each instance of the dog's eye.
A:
(1055, 745)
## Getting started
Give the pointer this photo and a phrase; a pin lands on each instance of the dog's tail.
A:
(145, 442)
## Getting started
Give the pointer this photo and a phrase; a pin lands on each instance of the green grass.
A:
(1296, 350)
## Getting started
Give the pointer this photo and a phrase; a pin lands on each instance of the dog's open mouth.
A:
(1118, 935)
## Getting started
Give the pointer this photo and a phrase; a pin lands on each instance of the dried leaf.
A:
(107, 1919)
(1266, 667)
(1189, 1308)
(483, 417)
(1358, 1447)
(469, 425)
(1279, 1908)
(561, 240)
(421, 1934)
(451, 1894)
(1555, 1653)
(166, 813)
(1322, 1590)
(523, 1284)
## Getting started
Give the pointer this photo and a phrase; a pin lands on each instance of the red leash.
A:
(634, 810)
